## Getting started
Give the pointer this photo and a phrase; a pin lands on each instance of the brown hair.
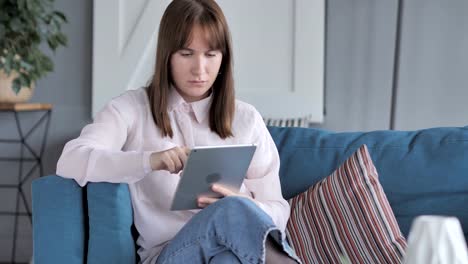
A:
(175, 30)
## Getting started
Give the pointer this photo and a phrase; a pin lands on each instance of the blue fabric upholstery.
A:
(58, 220)
(422, 172)
(110, 224)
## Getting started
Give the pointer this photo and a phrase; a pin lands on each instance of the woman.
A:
(142, 138)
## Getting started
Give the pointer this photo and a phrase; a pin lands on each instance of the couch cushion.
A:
(59, 221)
(346, 214)
(422, 172)
(110, 224)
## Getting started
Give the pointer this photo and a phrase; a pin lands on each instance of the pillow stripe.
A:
(352, 208)
(346, 214)
(359, 211)
(343, 219)
(380, 202)
(327, 230)
(346, 220)
(364, 199)
(365, 192)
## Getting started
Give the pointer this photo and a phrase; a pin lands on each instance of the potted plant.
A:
(24, 25)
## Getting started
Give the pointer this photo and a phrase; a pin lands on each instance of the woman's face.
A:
(195, 68)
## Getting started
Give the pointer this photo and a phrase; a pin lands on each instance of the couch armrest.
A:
(110, 217)
(58, 221)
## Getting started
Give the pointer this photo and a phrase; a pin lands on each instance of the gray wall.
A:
(68, 88)
(432, 88)
(359, 61)
(433, 72)
(433, 85)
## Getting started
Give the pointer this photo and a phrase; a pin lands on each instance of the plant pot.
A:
(7, 95)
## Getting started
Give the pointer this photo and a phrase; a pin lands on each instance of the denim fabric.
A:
(226, 256)
(232, 230)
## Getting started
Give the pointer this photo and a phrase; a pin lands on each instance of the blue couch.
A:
(422, 172)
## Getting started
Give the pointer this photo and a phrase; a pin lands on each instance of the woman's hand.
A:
(172, 160)
(204, 201)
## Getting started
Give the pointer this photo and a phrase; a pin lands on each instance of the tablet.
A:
(226, 165)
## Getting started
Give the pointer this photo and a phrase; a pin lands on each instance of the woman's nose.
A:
(199, 65)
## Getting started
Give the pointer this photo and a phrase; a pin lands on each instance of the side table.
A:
(18, 110)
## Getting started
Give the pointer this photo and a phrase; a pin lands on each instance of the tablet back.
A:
(226, 165)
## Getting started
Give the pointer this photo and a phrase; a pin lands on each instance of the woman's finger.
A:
(186, 150)
(177, 163)
(222, 190)
(202, 205)
(182, 156)
(169, 163)
(207, 200)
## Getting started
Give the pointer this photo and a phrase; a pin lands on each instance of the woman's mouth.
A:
(197, 83)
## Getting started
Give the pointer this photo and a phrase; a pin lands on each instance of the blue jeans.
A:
(232, 230)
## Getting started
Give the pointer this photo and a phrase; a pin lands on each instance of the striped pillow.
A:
(346, 215)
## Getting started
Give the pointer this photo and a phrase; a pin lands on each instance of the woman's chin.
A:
(198, 92)
(197, 96)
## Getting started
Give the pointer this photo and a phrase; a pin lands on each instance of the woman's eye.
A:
(211, 54)
(185, 54)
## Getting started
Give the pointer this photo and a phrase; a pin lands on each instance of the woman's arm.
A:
(97, 156)
(262, 178)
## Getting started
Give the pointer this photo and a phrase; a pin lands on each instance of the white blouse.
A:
(116, 148)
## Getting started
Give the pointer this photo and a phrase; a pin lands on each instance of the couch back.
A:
(422, 172)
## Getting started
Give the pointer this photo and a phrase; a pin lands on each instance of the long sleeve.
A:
(263, 176)
(97, 156)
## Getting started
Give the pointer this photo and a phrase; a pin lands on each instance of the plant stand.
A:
(15, 110)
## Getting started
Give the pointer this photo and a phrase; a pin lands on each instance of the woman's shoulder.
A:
(128, 104)
(246, 111)
(135, 96)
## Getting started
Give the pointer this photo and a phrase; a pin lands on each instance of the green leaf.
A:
(55, 26)
(15, 65)
(28, 4)
(4, 16)
(51, 40)
(16, 25)
(28, 80)
(61, 16)
(2, 31)
(16, 85)
(48, 64)
(7, 66)
(35, 38)
(47, 19)
(26, 66)
(24, 80)
(62, 39)
(32, 6)
(21, 4)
